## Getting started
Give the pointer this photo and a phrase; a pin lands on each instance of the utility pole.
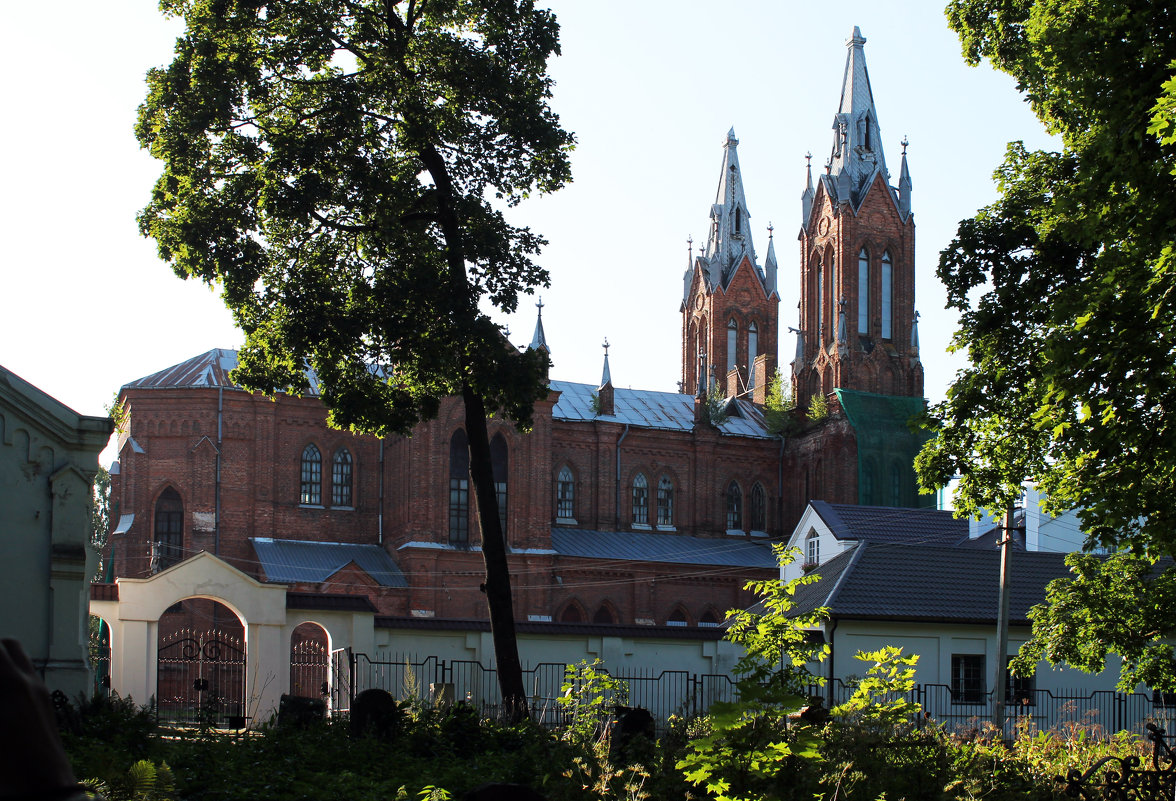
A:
(1002, 625)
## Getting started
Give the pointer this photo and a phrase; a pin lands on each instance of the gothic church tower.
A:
(858, 326)
(730, 304)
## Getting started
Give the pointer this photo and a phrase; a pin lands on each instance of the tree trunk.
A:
(497, 586)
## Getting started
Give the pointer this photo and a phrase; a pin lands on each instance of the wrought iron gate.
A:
(309, 664)
(201, 679)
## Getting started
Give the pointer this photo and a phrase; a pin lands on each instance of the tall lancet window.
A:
(738, 221)
(820, 306)
(732, 336)
(887, 300)
(752, 352)
(863, 293)
(499, 464)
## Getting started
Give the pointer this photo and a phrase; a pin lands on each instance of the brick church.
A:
(621, 507)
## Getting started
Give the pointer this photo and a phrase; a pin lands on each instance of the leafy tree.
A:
(1121, 604)
(338, 168)
(818, 408)
(779, 405)
(743, 756)
(1065, 284)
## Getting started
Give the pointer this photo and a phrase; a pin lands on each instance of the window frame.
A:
(887, 299)
(969, 681)
(640, 496)
(168, 529)
(565, 502)
(342, 479)
(758, 508)
(734, 506)
(310, 491)
(665, 502)
(459, 489)
(812, 548)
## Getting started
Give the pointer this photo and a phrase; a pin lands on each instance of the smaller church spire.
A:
(606, 376)
(730, 231)
(539, 339)
(806, 198)
(904, 183)
(770, 267)
(857, 148)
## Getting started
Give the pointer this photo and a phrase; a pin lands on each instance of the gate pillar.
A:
(267, 670)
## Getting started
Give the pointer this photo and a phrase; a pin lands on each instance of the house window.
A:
(759, 512)
(499, 465)
(565, 495)
(863, 293)
(734, 507)
(967, 679)
(678, 618)
(709, 619)
(169, 530)
(640, 500)
(459, 489)
(1020, 691)
(341, 478)
(752, 352)
(604, 616)
(812, 548)
(571, 614)
(887, 299)
(732, 335)
(312, 476)
(665, 501)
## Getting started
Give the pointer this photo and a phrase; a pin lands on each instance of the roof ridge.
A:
(858, 550)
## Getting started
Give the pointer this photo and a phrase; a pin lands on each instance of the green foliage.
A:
(587, 697)
(142, 781)
(714, 408)
(101, 509)
(745, 754)
(879, 701)
(1121, 604)
(779, 406)
(334, 167)
(1066, 284)
(818, 408)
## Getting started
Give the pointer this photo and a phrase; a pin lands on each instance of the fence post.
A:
(350, 677)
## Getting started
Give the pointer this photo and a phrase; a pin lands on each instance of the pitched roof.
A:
(670, 411)
(891, 524)
(888, 581)
(680, 549)
(292, 561)
(206, 370)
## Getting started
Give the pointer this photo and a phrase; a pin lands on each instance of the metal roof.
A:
(208, 370)
(291, 561)
(669, 411)
(892, 581)
(892, 524)
(639, 546)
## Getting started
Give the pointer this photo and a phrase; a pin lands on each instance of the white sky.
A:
(649, 88)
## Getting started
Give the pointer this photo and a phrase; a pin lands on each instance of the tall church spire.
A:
(857, 145)
(539, 339)
(729, 238)
(806, 197)
(904, 184)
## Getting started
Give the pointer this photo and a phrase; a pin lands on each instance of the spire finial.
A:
(539, 305)
(539, 338)
(606, 376)
(605, 346)
(904, 144)
(808, 159)
(771, 228)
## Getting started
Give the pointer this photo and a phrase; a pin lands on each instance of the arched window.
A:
(604, 615)
(312, 476)
(709, 619)
(665, 501)
(499, 464)
(734, 507)
(812, 548)
(752, 352)
(341, 478)
(571, 614)
(863, 293)
(640, 500)
(678, 617)
(759, 508)
(820, 306)
(887, 299)
(565, 495)
(169, 530)
(896, 484)
(459, 489)
(732, 335)
(738, 221)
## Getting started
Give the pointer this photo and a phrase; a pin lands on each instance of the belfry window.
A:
(734, 507)
(752, 352)
(820, 306)
(459, 489)
(732, 336)
(887, 299)
(640, 500)
(341, 478)
(738, 221)
(311, 476)
(863, 293)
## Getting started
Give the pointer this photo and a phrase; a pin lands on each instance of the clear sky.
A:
(650, 88)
